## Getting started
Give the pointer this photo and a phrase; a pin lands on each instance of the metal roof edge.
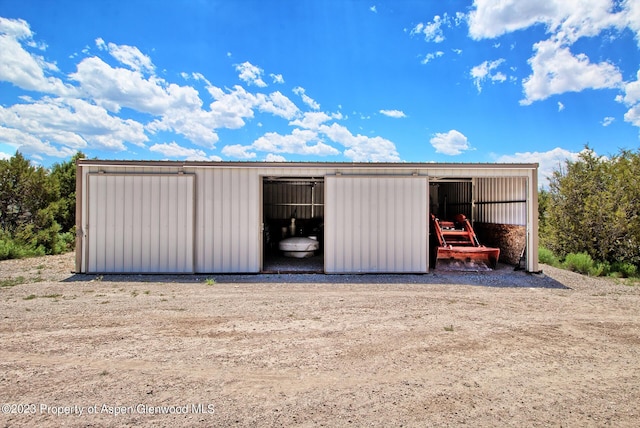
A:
(256, 164)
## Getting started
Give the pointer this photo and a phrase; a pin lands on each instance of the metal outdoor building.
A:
(210, 217)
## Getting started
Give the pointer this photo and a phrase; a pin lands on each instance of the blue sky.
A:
(365, 81)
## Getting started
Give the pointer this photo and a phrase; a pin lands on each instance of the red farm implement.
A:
(458, 246)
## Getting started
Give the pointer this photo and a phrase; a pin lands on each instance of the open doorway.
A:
(293, 219)
(494, 206)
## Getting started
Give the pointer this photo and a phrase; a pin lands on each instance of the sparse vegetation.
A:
(210, 281)
(11, 282)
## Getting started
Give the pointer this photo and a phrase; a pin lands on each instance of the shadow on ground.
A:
(503, 276)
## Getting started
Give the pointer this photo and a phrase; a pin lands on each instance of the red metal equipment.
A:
(458, 245)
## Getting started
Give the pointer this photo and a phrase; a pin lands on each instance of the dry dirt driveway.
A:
(491, 349)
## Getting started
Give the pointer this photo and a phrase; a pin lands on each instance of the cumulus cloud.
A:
(569, 19)
(274, 158)
(361, 148)
(608, 121)
(393, 113)
(556, 71)
(305, 98)
(238, 151)
(251, 74)
(23, 69)
(631, 99)
(560, 106)
(550, 161)
(450, 143)
(128, 55)
(174, 150)
(298, 142)
(311, 120)
(487, 71)
(72, 124)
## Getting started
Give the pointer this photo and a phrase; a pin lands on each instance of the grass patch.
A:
(29, 297)
(12, 282)
(52, 296)
(210, 281)
(448, 327)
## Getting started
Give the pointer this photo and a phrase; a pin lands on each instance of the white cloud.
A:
(5, 156)
(28, 144)
(238, 151)
(556, 71)
(487, 70)
(298, 142)
(608, 121)
(450, 143)
(128, 55)
(278, 105)
(373, 9)
(251, 74)
(174, 150)
(560, 106)
(115, 88)
(361, 148)
(22, 68)
(305, 98)
(569, 19)
(274, 158)
(432, 31)
(70, 124)
(277, 78)
(311, 120)
(550, 161)
(431, 56)
(631, 99)
(393, 113)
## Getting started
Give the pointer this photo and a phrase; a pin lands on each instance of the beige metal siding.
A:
(228, 220)
(140, 223)
(375, 224)
(501, 200)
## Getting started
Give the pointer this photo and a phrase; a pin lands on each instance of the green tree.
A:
(24, 190)
(593, 208)
(65, 174)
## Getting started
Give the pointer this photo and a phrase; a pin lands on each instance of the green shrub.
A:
(624, 270)
(10, 249)
(579, 262)
(547, 257)
(600, 269)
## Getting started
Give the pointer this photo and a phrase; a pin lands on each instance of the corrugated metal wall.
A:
(140, 223)
(451, 198)
(227, 213)
(228, 225)
(375, 224)
(281, 198)
(501, 200)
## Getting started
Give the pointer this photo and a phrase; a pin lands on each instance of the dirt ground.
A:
(502, 348)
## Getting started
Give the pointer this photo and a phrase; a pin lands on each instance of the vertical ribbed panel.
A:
(452, 198)
(501, 200)
(375, 224)
(228, 220)
(140, 223)
(282, 198)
